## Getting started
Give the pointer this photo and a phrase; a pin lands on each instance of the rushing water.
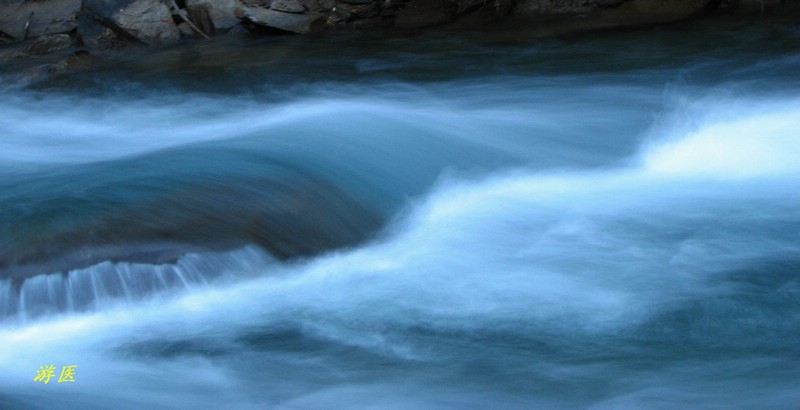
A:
(447, 221)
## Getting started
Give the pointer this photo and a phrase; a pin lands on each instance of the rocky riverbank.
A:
(74, 32)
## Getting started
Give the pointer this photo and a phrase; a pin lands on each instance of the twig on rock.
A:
(176, 11)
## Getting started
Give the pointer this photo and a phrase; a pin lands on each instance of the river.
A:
(447, 220)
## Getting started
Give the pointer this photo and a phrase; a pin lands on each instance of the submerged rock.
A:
(49, 43)
(78, 61)
(425, 13)
(289, 213)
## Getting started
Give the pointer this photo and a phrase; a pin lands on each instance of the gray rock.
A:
(222, 12)
(146, 21)
(287, 6)
(40, 16)
(293, 22)
(49, 43)
(96, 36)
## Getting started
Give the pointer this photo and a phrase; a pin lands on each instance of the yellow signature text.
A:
(45, 373)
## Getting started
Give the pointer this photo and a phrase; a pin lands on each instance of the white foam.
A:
(540, 245)
(734, 142)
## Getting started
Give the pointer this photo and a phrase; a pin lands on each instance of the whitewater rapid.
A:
(474, 221)
(508, 272)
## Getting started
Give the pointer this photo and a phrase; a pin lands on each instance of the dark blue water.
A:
(450, 221)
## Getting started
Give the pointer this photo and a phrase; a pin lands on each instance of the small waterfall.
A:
(109, 283)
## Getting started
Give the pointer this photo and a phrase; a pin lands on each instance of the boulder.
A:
(145, 21)
(293, 22)
(221, 12)
(21, 19)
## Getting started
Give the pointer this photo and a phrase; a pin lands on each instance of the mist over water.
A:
(589, 222)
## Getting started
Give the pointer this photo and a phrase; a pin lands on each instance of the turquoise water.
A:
(448, 221)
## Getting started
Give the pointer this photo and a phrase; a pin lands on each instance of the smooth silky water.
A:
(450, 220)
